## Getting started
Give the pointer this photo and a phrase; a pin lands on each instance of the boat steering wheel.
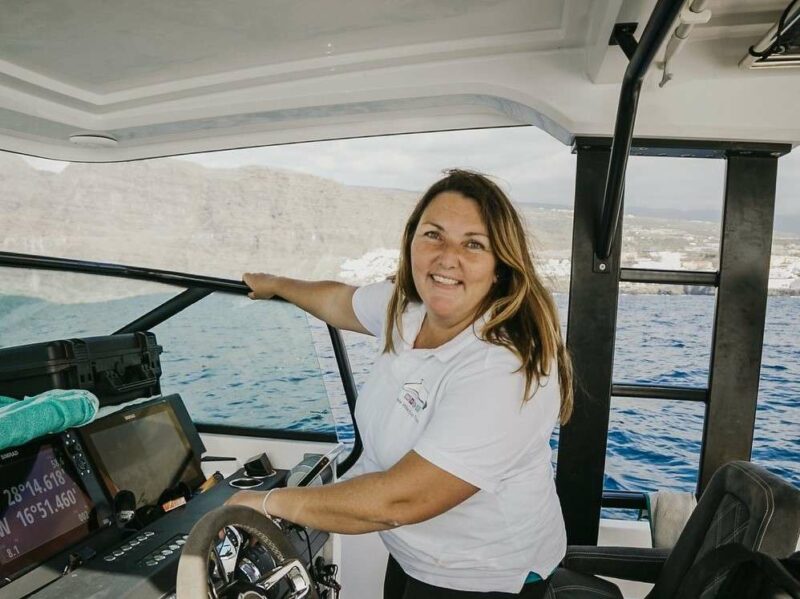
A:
(200, 559)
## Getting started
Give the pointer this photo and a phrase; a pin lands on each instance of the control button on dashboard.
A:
(180, 542)
(109, 558)
(151, 562)
(174, 546)
(118, 552)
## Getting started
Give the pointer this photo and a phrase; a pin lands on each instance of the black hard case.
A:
(116, 368)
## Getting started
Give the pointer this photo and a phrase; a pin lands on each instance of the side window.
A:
(256, 365)
(673, 208)
(663, 334)
(662, 339)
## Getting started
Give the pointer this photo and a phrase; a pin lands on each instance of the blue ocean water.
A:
(266, 364)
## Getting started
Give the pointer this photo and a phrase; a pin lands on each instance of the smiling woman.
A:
(498, 277)
(451, 430)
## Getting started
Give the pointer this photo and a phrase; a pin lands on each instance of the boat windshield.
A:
(236, 362)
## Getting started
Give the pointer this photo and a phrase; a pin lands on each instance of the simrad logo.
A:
(129, 417)
(9, 454)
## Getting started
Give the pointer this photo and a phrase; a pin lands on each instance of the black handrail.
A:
(671, 392)
(167, 277)
(669, 277)
(658, 27)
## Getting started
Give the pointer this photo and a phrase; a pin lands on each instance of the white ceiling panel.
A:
(192, 75)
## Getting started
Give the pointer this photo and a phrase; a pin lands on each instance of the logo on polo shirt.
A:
(414, 398)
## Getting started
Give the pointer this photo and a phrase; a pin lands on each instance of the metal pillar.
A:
(165, 311)
(745, 248)
(590, 339)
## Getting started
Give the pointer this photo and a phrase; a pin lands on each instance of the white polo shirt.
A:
(460, 407)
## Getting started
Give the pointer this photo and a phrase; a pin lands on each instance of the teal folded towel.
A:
(49, 412)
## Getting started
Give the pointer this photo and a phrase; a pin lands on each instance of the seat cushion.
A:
(567, 584)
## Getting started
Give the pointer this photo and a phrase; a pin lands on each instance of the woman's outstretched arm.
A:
(412, 491)
(329, 301)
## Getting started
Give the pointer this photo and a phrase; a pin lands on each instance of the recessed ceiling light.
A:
(95, 140)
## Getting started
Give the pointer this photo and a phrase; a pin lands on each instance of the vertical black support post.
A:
(740, 311)
(590, 339)
(351, 393)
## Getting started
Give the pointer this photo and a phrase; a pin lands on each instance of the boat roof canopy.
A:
(109, 80)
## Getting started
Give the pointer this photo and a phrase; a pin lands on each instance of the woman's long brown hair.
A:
(522, 313)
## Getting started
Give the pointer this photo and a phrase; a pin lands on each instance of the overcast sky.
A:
(533, 166)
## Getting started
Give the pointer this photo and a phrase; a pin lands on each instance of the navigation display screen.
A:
(143, 450)
(43, 508)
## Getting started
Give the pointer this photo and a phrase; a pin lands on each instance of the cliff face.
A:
(177, 215)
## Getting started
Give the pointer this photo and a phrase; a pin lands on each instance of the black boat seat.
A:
(743, 504)
(569, 584)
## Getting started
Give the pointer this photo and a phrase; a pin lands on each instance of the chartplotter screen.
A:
(43, 508)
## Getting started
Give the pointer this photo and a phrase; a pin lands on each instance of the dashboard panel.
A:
(64, 531)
